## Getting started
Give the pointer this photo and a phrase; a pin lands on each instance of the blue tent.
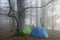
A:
(40, 32)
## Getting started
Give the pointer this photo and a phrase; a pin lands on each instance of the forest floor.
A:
(28, 37)
(32, 38)
(53, 36)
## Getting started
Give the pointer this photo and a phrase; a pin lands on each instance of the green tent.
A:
(26, 30)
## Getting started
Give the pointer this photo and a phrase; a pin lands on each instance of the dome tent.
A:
(40, 32)
(26, 30)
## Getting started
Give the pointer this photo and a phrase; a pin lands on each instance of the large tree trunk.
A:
(20, 14)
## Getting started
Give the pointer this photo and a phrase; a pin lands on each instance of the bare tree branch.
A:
(17, 29)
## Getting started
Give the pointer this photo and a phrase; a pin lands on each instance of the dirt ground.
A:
(33, 38)
(30, 38)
